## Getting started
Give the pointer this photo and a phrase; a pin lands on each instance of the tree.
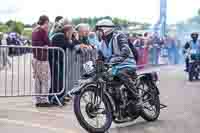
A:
(10, 23)
(28, 25)
(199, 12)
(108, 17)
(17, 27)
(27, 32)
(145, 26)
(116, 21)
(3, 28)
(76, 21)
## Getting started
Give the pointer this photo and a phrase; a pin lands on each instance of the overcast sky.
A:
(29, 11)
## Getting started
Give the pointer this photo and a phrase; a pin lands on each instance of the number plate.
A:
(88, 66)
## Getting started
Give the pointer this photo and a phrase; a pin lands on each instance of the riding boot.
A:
(128, 82)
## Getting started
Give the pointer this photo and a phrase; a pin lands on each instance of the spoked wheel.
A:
(93, 111)
(151, 106)
(197, 72)
(191, 72)
(190, 76)
(197, 76)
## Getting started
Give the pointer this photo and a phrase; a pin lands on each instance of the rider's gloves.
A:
(117, 60)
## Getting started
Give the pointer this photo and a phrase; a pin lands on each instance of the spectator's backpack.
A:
(13, 39)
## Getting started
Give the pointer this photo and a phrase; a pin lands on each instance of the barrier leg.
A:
(57, 99)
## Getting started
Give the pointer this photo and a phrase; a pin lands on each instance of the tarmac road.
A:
(19, 115)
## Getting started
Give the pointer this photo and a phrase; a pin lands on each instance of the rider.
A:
(193, 45)
(114, 48)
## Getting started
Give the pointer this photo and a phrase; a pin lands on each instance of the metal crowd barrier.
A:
(66, 67)
(16, 71)
(74, 67)
(75, 63)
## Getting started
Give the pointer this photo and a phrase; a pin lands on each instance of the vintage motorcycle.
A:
(194, 64)
(100, 98)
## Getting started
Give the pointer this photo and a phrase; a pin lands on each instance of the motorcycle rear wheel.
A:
(190, 76)
(155, 102)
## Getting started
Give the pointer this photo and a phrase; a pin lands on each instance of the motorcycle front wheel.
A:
(93, 111)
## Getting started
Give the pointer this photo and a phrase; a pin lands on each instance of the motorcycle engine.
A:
(131, 108)
(125, 101)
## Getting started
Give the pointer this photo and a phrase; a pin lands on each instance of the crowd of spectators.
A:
(148, 49)
(155, 50)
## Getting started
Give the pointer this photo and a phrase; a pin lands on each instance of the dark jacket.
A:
(56, 61)
(134, 51)
(120, 47)
(58, 40)
(121, 53)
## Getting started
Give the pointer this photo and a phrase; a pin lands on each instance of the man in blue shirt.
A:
(193, 46)
(114, 48)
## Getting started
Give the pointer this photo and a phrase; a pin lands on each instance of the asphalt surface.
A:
(19, 115)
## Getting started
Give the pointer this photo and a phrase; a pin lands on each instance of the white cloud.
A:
(139, 10)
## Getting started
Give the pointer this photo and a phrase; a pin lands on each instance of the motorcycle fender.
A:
(155, 87)
(147, 79)
(111, 101)
(78, 89)
(106, 94)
